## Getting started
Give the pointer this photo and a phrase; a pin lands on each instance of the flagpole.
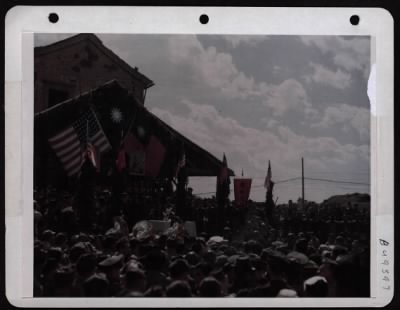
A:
(302, 182)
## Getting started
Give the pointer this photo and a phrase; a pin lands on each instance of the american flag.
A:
(70, 143)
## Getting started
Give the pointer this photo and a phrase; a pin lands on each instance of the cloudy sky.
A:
(260, 98)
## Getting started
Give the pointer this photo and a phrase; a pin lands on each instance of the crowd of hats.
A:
(124, 261)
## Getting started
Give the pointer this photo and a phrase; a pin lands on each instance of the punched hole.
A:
(204, 19)
(53, 18)
(354, 20)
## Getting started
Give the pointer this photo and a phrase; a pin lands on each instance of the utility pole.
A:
(302, 181)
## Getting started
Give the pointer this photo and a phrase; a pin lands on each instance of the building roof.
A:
(199, 161)
(95, 41)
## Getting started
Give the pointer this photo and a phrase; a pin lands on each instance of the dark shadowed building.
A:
(77, 64)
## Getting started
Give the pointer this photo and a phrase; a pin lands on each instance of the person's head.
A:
(63, 279)
(86, 265)
(155, 260)
(339, 240)
(48, 236)
(301, 245)
(155, 291)
(123, 246)
(198, 246)
(192, 258)
(76, 251)
(180, 246)
(96, 286)
(210, 257)
(287, 293)
(111, 266)
(252, 246)
(60, 240)
(179, 269)
(328, 269)
(222, 277)
(316, 286)
(210, 287)
(179, 289)
(135, 279)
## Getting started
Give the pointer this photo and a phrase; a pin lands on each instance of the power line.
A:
(336, 181)
(298, 178)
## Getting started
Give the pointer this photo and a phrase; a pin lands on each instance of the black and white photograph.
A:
(184, 165)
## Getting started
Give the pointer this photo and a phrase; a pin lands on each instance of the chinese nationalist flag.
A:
(242, 190)
(155, 153)
(136, 152)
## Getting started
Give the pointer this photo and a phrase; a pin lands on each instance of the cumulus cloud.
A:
(252, 40)
(348, 53)
(215, 69)
(290, 95)
(346, 115)
(337, 79)
(250, 148)
(218, 71)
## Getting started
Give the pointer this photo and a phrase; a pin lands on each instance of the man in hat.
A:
(179, 270)
(328, 271)
(179, 289)
(85, 268)
(316, 286)
(244, 273)
(135, 282)
(111, 267)
(96, 286)
(63, 280)
(210, 287)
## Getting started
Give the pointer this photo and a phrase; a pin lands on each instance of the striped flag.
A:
(70, 143)
(92, 155)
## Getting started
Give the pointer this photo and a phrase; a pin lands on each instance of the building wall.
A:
(74, 69)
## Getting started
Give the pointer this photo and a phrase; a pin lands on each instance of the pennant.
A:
(223, 175)
(268, 178)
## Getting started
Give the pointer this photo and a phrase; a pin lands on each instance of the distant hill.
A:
(355, 198)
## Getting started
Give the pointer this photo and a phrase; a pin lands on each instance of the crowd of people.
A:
(120, 255)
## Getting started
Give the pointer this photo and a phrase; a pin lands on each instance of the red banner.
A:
(242, 190)
(155, 153)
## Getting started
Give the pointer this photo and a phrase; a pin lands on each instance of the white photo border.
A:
(22, 22)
